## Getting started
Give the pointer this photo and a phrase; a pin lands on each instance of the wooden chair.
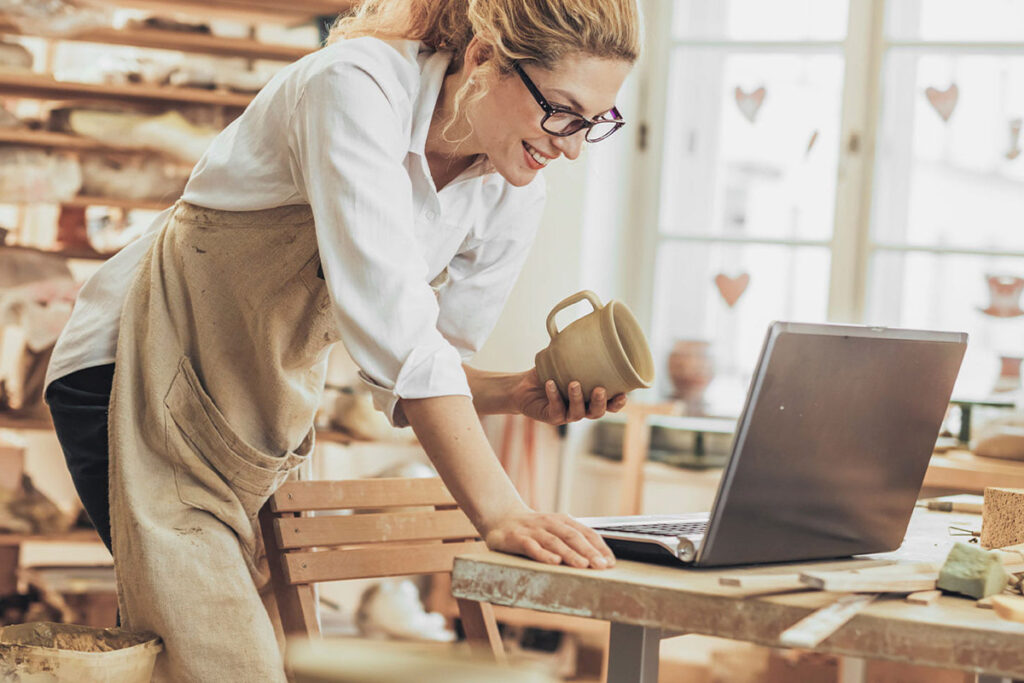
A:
(422, 536)
(636, 444)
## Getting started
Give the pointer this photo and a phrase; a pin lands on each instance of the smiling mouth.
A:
(536, 156)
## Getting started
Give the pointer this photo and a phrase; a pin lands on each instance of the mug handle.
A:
(569, 301)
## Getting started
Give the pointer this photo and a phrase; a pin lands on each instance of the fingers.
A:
(553, 539)
(598, 403)
(585, 542)
(558, 546)
(556, 407)
(577, 409)
(617, 403)
(533, 549)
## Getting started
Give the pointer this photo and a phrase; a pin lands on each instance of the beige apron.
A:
(220, 364)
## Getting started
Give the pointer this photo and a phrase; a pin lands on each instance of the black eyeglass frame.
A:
(551, 110)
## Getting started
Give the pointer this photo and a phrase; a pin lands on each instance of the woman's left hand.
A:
(543, 402)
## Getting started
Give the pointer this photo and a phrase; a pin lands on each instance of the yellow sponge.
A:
(1002, 517)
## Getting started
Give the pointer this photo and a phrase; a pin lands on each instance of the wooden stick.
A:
(878, 583)
(781, 583)
(765, 582)
(816, 627)
(923, 597)
(908, 568)
(1008, 606)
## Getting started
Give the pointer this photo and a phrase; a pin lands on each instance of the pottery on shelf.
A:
(691, 368)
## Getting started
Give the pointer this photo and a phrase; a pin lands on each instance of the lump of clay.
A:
(969, 570)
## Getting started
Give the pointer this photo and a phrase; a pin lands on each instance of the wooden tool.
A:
(760, 584)
(1009, 607)
(881, 582)
(960, 503)
(923, 597)
(765, 583)
(816, 627)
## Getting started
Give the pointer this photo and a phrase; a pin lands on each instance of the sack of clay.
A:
(1002, 437)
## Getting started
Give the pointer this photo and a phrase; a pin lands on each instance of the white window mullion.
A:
(861, 96)
(646, 185)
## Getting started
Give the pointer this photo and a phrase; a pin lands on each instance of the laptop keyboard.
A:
(660, 529)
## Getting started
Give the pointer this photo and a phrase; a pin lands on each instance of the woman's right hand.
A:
(550, 538)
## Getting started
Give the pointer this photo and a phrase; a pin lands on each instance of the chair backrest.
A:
(381, 527)
(393, 527)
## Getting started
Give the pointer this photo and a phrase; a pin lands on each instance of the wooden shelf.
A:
(34, 422)
(54, 140)
(71, 252)
(76, 536)
(148, 204)
(85, 200)
(180, 41)
(42, 86)
(265, 10)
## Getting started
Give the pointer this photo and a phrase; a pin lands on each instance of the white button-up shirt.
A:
(343, 130)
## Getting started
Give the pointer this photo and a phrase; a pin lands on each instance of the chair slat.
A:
(303, 532)
(358, 563)
(359, 493)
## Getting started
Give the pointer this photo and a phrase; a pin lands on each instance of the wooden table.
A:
(645, 602)
(964, 471)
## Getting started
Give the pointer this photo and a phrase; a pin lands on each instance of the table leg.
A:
(633, 654)
(853, 670)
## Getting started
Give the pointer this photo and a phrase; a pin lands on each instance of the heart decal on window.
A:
(750, 103)
(732, 288)
(943, 101)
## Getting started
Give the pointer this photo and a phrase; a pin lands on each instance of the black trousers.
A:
(79, 404)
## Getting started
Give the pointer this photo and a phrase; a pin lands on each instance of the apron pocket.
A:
(323, 327)
(215, 469)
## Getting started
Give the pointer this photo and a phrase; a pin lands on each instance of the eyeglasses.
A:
(563, 122)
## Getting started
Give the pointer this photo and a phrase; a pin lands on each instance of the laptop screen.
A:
(833, 443)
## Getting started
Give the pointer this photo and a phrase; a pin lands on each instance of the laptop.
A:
(829, 454)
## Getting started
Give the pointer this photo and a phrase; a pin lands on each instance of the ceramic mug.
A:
(605, 348)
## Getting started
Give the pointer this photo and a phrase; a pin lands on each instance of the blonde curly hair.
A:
(536, 31)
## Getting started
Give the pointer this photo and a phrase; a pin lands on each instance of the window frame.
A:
(851, 247)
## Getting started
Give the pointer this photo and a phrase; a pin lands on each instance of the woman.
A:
(382, 192)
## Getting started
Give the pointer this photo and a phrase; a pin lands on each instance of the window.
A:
(844, 160)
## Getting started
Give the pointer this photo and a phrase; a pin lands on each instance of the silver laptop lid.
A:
(833, 442)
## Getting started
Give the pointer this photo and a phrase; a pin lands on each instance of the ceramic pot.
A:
(604, 348)
(691, 368)
(1009, 375)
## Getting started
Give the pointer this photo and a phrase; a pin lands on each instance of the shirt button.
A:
(431, 215)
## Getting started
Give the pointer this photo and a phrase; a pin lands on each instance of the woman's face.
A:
(506, 121)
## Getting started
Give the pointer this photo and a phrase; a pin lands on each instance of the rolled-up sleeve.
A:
(348, 144)
(481, 276)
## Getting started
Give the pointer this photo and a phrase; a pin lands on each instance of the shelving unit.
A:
(225, 105)
(44, 87)
(180, 41)
(295, 11)
(53, 140)
(43, 423)
(149, 204)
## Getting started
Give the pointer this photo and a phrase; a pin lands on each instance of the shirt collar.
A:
(433, 67)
